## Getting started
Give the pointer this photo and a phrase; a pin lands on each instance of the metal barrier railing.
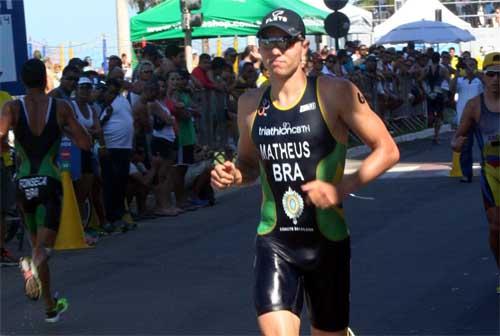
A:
(408, 115)
(213, 125)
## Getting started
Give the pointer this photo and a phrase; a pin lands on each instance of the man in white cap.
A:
(294, 134)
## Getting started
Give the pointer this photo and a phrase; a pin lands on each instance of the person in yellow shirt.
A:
(6, 164)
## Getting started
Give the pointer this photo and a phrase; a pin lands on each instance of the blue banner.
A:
(13, 50)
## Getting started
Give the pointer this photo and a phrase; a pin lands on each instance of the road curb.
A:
(363, 149)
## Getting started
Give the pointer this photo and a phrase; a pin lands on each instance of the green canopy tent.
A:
(224, 18)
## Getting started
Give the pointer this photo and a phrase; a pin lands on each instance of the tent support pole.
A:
(188, 49)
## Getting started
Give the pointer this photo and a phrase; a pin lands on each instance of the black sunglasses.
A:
(281, 42)
(70, 78)
(491, 73)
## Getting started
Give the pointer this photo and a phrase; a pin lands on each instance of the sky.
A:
(81, 22)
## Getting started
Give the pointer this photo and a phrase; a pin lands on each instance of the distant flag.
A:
(62, 61)
(104, 54)
(71, 54)
(219, 47)
(30, 48)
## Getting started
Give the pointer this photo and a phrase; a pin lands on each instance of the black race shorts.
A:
(283, 283)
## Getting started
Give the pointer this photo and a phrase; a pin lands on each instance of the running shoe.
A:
(54, 315)
(7, 259)
(109, 228)
(32, 283)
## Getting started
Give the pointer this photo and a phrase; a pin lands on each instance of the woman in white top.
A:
(162, 145)
(89, 119)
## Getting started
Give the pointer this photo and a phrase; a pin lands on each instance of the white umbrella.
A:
(426, 32)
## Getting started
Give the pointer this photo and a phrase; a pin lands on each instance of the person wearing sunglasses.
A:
(145, 74)
(294, 134)
(482, 115)
(69, 79)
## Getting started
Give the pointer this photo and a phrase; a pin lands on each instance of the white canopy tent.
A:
(414, 10)
(361, 19)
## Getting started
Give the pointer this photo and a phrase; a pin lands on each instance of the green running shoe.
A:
(54, 315)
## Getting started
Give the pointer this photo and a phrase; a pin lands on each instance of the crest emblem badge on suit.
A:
(293, 204)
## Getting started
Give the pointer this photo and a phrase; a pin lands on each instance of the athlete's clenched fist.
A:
(322, 194)
(224, 175)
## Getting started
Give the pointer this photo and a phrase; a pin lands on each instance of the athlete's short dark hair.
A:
(34, 74)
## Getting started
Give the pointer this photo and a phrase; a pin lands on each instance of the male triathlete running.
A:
(38, 121)
(482, 115)
(294, 135)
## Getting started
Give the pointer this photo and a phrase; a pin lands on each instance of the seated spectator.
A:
(197, 180)
(140, 181)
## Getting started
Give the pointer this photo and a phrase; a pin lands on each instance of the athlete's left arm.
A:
(354, 111)
(67, 119)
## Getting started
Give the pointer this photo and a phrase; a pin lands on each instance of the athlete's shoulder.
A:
(250, 100)
(55, 93)
(61, 104)
(334, 85)
(473, 107)
(335, 89)
(475, 101)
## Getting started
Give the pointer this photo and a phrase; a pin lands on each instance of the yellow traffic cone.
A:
(127, 217)
(456, 171)
(70, 235)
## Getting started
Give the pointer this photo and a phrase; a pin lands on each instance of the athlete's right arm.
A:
(469, 118)
(67, 119)
(246, 169)
(247, 164)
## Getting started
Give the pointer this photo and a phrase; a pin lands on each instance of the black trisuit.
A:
(39, 189)
(301, 251)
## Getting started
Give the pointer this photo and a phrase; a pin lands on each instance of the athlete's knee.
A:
(280, 323)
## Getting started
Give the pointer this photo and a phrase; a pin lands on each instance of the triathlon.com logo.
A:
(285, 129)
